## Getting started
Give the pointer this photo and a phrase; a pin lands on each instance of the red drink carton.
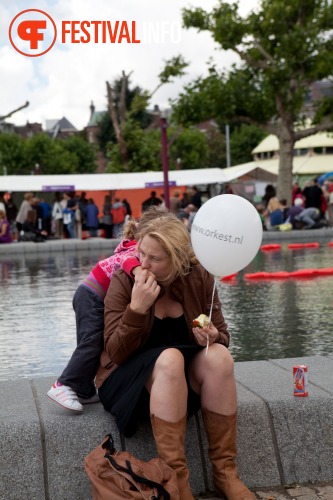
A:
(300, 376)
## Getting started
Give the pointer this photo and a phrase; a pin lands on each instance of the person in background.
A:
(261, 211)
(92, 220)
(69, 214)
(155, 362)
(2, 202)
(107, 217)
(175, 202)
(270, 192)
(76, 386)
(39, 221)
(329, 188)
(118, 213)
(196, 197)
(23, 210)
(47, 215)
(303, 218)
(274, 211)
(31, 229)
(313, 195)
(297, 193)
(57, 217)
(185, 200)
(4, 228)
(153, 200)
(82, 204)
(128, 207)
(187, 215)
(11, 211)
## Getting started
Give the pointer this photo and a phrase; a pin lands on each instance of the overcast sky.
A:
(65, 80)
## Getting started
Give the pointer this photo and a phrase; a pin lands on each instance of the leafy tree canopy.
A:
(283, 47)
(66, 156)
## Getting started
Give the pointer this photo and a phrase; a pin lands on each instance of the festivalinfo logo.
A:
(33, 32)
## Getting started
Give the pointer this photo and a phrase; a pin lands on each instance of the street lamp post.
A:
(164, 144)
(179, 164)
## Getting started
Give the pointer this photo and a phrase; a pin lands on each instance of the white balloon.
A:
(226, 234)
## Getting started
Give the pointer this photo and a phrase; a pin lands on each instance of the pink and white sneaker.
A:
(65, 396)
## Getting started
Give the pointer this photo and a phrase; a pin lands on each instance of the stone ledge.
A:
(281, 439)
(91, 244)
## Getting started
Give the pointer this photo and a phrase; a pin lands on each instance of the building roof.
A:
(319, 140)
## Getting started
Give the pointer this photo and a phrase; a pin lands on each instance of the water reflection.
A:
(267, 319)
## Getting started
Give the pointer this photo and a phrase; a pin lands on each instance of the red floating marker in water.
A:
(295, 245)
(330, 244)
(271, 246)
(256, 276)
(326, 271)
(311, 245)
(279, 275)
(230, 277)
(303, 273)
(303, 245)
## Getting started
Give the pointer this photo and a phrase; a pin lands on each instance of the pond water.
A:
(267, 319)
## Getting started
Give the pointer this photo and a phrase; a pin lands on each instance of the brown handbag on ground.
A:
(119, 475)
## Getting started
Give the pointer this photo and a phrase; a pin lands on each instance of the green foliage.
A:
(173, 68)
(83, 151)
(243, 140)
(284, 46)
(67, 156)
(143, 148)
(191, 147)
(50, 155)
(106, 132)
(12, 154)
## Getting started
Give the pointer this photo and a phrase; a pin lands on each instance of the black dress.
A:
(124, 393)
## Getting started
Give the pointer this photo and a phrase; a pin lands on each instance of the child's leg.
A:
(80, 371)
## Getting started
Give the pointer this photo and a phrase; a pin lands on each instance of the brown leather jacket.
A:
(125, 331)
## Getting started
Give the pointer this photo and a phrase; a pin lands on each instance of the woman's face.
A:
(154, 258)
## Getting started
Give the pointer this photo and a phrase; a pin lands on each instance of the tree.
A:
(283, 47)
(243, 139)
(144, 149)
(3, 117)
(191, 146)
(49, 155)
(123, 115)
(83, 151)
(12, 154)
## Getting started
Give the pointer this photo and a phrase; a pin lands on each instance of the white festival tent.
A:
(106, 182)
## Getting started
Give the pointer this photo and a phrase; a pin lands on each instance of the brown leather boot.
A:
(221, 434)
(169, 438)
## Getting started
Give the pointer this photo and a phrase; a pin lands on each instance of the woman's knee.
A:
(218, 360)
(170, 362)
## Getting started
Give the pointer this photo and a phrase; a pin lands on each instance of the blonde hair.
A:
(2, 214)
(174, 238)
(133, 226)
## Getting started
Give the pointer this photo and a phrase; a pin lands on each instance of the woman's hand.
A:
(137, 273)
(145, 292)
(202, 334)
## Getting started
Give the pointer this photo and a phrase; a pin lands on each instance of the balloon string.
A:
(210, 314)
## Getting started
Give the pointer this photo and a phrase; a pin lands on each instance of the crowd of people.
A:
(67, 216)
(310, 208)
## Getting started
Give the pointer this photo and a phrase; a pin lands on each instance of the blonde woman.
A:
(154, 361)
